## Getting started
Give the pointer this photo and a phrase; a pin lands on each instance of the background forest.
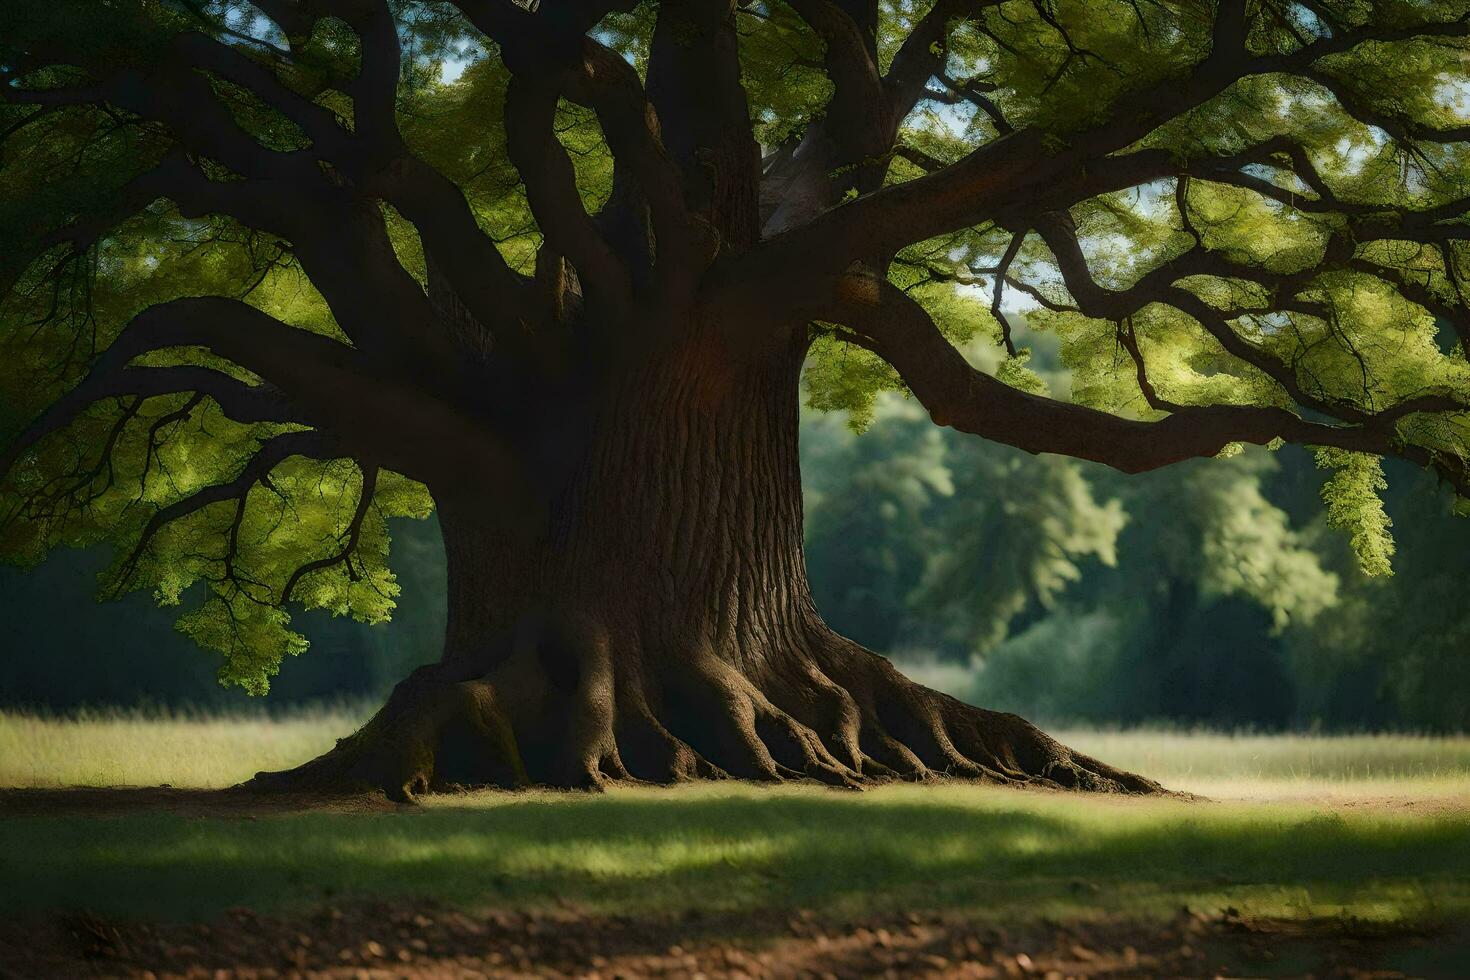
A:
(1212, 593)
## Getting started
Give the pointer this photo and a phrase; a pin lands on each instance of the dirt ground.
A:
(383, 941)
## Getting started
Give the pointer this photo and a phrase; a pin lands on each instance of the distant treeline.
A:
(1211, 593)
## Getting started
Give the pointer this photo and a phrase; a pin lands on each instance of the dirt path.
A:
(426, 941)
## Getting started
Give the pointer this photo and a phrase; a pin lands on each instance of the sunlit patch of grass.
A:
(1267, 766)
(187, 749)
(1003, 853)
(149, 748)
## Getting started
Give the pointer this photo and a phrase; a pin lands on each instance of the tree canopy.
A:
(259, 261)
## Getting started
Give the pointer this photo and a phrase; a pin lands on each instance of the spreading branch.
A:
(885, 320)
(1026, 172)
(923, 53)
(350, 539)
(257, 469)
(551, 190)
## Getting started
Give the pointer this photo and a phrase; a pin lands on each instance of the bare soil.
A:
(428, 941)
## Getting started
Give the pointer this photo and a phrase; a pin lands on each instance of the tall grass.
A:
(1223, 763)
(191, 749)
(154, 747)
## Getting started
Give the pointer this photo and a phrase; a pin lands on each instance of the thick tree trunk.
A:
(657, 625)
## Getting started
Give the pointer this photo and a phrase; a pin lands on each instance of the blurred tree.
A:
(1222, 599)
(1394, 651)
(871, 503)
(1179, 612)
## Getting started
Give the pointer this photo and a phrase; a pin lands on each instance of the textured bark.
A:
(659, 626)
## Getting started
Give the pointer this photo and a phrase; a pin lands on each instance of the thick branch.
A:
(851, 65)
(375, 90)
(231, 64)
(300, 366)
(631, 129)
(1023, 172)
(694, 82)
(323, 384)
(495, 294)
(311, 197)
(549, 56)
(898, 329)
(924, 52)
(551, 190)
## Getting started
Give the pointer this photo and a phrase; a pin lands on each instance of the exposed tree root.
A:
(573, 715)
(661, 629)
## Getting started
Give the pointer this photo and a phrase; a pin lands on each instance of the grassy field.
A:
(740, 848)
(1373, 827)
(147, 748)
(202, 751)
(1255, 766)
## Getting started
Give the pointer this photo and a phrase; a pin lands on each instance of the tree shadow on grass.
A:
(1017, 855)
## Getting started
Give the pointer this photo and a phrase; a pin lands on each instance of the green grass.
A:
(136, 748)
(148, 748)
(1375, 827)
(1272, 766)
(1012, 854)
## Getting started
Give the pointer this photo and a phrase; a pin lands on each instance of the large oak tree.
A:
(273, 274)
